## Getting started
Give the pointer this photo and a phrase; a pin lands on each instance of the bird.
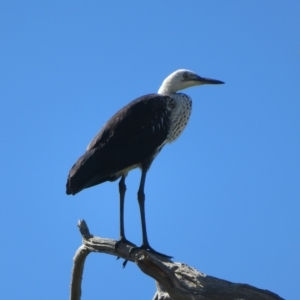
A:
(132, 138)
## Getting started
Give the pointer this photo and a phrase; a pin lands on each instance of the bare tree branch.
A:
(176, 281)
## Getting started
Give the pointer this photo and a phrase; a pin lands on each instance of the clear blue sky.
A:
(224, 198)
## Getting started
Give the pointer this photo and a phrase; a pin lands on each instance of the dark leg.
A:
(122, 190)
(141, 200)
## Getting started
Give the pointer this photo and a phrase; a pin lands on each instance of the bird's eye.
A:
(185, 75)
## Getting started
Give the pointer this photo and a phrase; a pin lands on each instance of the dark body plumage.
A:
(131, 138)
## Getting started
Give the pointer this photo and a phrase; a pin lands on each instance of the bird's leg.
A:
(122, 190)
(141, 200)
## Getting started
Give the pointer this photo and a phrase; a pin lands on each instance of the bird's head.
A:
(182, 79)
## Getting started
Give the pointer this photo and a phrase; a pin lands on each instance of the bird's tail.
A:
(85, 173)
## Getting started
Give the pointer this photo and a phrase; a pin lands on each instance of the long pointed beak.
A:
(204, 80)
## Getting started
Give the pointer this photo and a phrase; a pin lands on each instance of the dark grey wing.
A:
(133, 135)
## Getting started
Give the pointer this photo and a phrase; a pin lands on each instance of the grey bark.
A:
(174, 280)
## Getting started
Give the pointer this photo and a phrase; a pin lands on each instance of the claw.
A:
(123, 241)
(125, 263)
(149, 249)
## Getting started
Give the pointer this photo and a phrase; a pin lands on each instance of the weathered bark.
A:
(176, 281)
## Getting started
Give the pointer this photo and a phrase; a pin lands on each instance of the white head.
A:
(182, 79)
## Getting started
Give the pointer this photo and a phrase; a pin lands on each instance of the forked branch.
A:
(176, 281)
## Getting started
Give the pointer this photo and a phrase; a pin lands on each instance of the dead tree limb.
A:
(176, 281)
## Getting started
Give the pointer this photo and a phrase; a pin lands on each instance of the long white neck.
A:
(166, 88)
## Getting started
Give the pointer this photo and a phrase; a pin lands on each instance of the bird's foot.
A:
(123, 240)
(149, 249)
